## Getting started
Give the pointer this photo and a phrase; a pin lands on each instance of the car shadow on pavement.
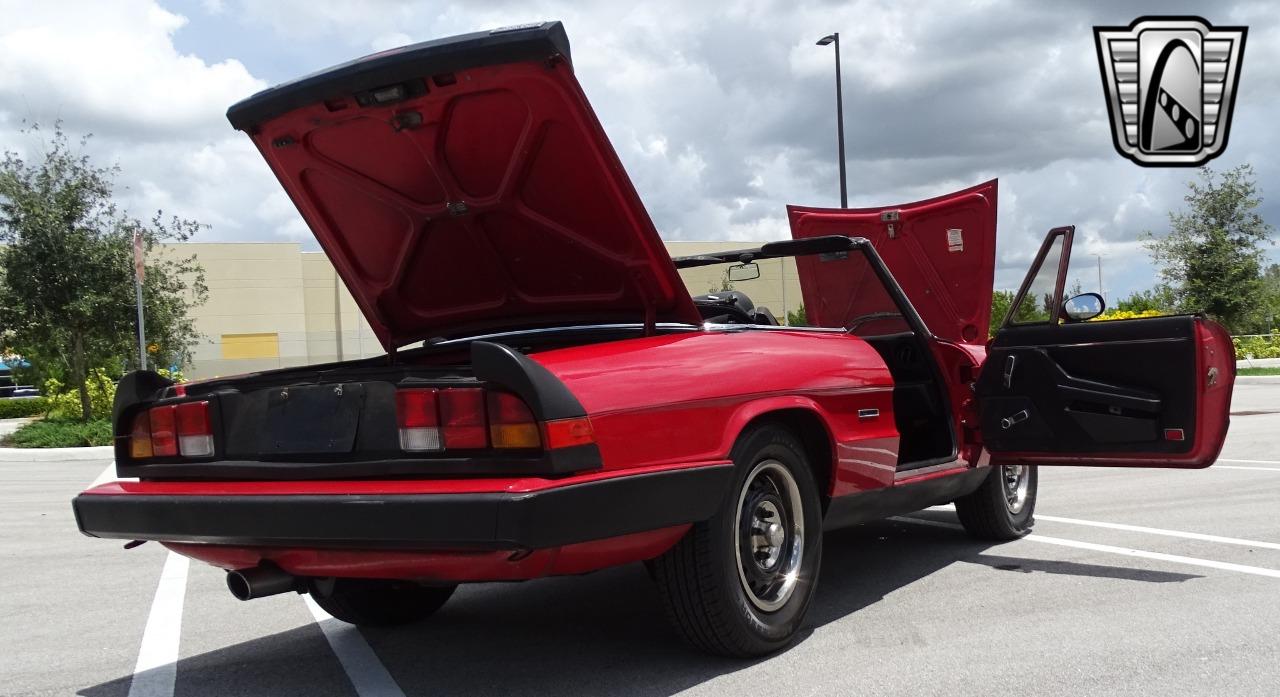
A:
(602, 633)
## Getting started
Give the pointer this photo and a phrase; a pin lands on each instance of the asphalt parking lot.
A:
(1145, 582)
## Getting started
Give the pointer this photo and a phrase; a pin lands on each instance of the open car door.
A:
(1059, 390)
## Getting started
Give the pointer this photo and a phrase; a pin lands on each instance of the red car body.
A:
(464, 189)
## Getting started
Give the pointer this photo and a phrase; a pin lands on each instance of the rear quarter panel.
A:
(686, 397)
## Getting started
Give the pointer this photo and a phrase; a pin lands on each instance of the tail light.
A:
(462, 418)
(511, 424)
(195, 435)
(418, 419)
(471, 418)
(172, 430)
(164, 432)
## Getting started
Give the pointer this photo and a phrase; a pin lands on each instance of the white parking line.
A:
(157, 668)
(1125, 551)
(1255, 469)
(1252, 462)
(108, 475)
(1161, 531)
(363, 667)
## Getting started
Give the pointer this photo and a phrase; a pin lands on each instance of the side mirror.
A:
(1083, 307)
(744, 272)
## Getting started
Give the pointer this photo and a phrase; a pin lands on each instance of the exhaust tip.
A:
(260, 581)
(238, 585)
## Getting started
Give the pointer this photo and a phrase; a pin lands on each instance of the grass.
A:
(1258, 371)
(61, 434)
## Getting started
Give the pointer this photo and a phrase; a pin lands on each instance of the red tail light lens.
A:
(564, 433)
(419, 420)
(462, 418)
(511, 424)
(164, 432)
(195, 434)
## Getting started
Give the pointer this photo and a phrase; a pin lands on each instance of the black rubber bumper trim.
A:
(531, 520)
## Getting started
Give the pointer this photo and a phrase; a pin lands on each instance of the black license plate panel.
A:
(313, 419)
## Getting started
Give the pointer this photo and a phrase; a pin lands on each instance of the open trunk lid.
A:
(463, 186)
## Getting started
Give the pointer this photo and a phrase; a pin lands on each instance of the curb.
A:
(98, 452)
(1258, 379)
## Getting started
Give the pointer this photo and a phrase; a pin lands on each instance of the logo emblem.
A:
(1171, 86)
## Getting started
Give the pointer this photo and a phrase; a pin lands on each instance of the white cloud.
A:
(722, 113)
(113, 70)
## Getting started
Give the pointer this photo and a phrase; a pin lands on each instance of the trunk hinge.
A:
(650, 319)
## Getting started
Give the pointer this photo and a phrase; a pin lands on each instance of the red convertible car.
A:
(553, 401)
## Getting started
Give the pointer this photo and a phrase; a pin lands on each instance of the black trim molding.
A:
(527, 520)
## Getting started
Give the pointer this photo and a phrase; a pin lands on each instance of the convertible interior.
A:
(921, 413)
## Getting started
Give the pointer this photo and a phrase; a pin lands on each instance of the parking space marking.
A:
(108, 475)
(1252, 462)
(157, 668)
(1125, 551)
(366, 672)
(1255, 469)
(1161, 531)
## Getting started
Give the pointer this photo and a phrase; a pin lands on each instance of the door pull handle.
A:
(1009, 422)
(1008, 371)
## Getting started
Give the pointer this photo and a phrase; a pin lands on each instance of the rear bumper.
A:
(548, 517)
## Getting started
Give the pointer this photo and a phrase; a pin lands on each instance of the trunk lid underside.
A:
(464, 186)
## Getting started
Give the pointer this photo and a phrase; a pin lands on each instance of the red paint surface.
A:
(454, 566)
(686, 397)
(950, 289)
(505, 208)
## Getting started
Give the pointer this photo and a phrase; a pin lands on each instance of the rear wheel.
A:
(377, 602)
(1003, 507)
(740, 583)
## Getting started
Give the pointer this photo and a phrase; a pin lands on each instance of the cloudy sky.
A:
(722, 112)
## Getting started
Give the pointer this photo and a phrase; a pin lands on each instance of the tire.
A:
(1003, 508)
(734, 593)
(376, 602)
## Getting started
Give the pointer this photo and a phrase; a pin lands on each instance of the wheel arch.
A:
(806, 421)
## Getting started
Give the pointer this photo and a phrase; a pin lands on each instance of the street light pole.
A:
(844, 191)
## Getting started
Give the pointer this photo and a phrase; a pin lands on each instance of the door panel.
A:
(1151, 392)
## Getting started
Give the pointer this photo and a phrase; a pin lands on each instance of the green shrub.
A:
(1257, 346)
(61, 434)
(23, 406)
(64, 403)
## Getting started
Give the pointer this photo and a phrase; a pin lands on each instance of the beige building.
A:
(272, 305)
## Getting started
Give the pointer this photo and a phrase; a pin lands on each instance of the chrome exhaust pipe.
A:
(260, 581)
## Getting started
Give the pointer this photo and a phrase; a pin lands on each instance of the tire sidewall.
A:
(772, 629)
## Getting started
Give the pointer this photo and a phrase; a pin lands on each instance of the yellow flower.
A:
(152, 348)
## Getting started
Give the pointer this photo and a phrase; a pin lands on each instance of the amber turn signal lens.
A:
(514, 435)
(140, 437)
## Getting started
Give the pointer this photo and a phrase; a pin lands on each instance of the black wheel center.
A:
(764, 536)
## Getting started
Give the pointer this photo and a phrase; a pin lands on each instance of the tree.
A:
(1000, 302)
(1211, 260)
(66, 270)
(1158, 299)
(797, 318)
